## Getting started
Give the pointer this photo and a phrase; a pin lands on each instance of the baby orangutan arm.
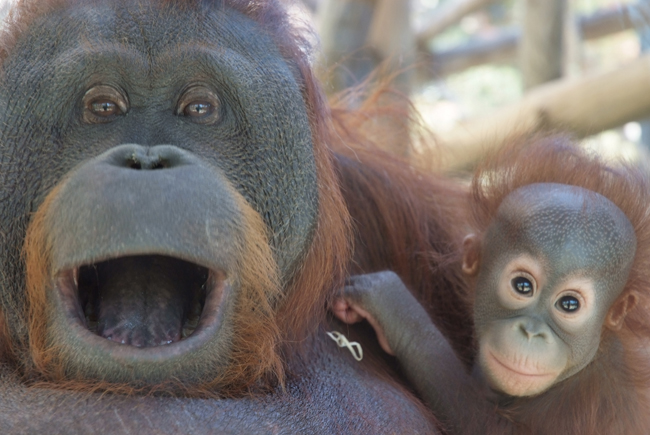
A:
(405, 330)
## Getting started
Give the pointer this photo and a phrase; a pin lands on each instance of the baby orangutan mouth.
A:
(142, 301)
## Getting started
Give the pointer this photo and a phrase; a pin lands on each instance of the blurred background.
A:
(479, 71)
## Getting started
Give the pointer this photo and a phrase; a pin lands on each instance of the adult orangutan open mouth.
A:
(146, 304)
(136, 273)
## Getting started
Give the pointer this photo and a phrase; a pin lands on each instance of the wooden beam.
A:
(582, 106)
(503, 47)
(540, 48)
(606, 22)
(445, 16)
(343, 27)
(391, 38)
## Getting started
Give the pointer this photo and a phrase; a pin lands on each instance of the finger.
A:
(345, 312)
(354, 293)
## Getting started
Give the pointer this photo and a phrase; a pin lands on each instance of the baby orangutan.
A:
(549, 276)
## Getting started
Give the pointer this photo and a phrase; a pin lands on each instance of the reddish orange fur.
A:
(6, 348)
(407, 220)
(255, 345)
(326, 263)
(38, 277)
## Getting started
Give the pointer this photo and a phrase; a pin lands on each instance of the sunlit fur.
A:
(408, 218)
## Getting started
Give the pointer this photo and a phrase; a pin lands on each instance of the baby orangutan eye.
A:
(568, 304)
(522, 285)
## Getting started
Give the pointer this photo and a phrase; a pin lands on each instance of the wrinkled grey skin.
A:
(260, 149)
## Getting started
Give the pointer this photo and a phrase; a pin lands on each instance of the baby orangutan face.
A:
(549, 273)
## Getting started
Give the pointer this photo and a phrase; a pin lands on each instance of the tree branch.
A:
(448, 15)
(503, 47)
(582, 106)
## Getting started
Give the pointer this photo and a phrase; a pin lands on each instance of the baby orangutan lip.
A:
(519, 372)
(147, 303)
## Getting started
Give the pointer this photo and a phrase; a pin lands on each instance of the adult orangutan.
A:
(172, 228)
(559, 271)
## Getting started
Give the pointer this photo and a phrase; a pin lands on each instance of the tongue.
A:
(143, 301)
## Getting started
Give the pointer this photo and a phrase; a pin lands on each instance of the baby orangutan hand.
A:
(365, 297)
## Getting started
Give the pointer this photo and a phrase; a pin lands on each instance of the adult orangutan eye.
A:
(199, 104)
(199, 109)
(522, 285)
(569, 304)
(103, 104)
(104, 108)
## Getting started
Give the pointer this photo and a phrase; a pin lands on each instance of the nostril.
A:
(159, 165)
(147, 163)
(140, 158)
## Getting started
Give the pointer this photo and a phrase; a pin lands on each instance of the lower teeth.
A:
(187, 332)
(190, 325)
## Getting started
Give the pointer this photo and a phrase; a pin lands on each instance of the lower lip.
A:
(510, 369)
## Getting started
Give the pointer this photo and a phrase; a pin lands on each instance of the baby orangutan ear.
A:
(618, 311)
(471, 254)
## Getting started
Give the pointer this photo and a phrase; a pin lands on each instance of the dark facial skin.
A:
(155, 133)
(551, 265)
(554, 260)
